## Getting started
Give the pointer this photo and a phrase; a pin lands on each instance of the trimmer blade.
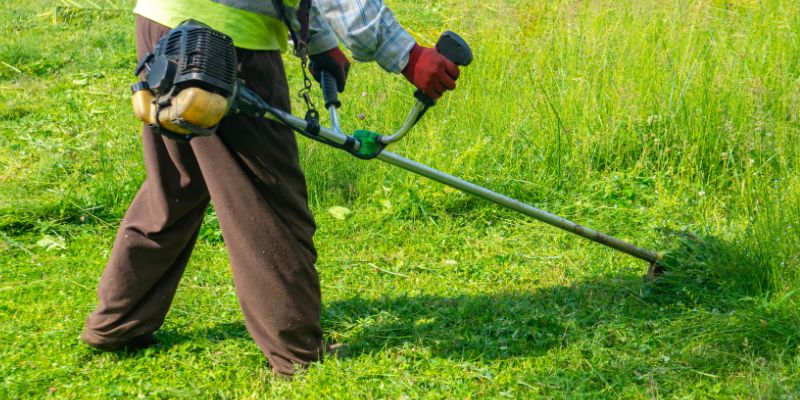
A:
(655, 271)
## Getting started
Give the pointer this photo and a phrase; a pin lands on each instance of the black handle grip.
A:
(455, 49)
(329, 90)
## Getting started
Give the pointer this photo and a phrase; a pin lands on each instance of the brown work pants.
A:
(250, 171)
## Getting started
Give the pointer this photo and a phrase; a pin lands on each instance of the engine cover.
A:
(193, 55)
(188, 81)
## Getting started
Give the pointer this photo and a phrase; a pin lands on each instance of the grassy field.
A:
(672, 124)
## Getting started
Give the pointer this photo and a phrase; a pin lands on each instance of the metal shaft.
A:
(482, 192)
(334, 117)
(518, 206)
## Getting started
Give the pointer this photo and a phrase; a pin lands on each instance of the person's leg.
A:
(155, 238)
(253, 174)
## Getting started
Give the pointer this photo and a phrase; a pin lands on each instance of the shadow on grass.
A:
(701, 303)
(491, 326)
(713, 296)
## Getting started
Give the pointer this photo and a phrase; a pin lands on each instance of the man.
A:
(250, 170)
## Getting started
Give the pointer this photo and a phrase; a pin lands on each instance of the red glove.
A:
(333, 61)
(430, 71)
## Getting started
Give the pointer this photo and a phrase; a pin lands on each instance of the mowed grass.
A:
(672, 124)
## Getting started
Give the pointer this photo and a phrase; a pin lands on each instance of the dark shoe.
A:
(335, 350)
(134, 344)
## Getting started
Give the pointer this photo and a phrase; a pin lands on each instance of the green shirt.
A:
(366, 27)
(248, 30)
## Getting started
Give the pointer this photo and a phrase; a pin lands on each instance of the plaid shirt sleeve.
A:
(366, 27)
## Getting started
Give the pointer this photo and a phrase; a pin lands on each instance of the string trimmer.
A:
(190, 85)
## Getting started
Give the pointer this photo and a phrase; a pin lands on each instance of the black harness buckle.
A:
(312, 122)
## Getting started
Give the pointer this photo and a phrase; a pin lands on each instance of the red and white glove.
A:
(430, 71)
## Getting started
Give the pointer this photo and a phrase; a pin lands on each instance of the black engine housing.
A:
(191, 54)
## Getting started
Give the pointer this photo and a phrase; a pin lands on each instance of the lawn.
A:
(671, 124)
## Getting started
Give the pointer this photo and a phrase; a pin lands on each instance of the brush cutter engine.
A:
(189, 82)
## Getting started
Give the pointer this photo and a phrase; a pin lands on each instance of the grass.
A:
(670, 124)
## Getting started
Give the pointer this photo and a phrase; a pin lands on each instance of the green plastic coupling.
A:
(370, 145)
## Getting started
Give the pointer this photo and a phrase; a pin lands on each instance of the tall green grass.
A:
(672, 124)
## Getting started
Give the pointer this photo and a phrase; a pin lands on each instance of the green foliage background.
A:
(672, 124)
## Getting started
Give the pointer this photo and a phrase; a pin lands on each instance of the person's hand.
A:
(333, 61)
(430, 71)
